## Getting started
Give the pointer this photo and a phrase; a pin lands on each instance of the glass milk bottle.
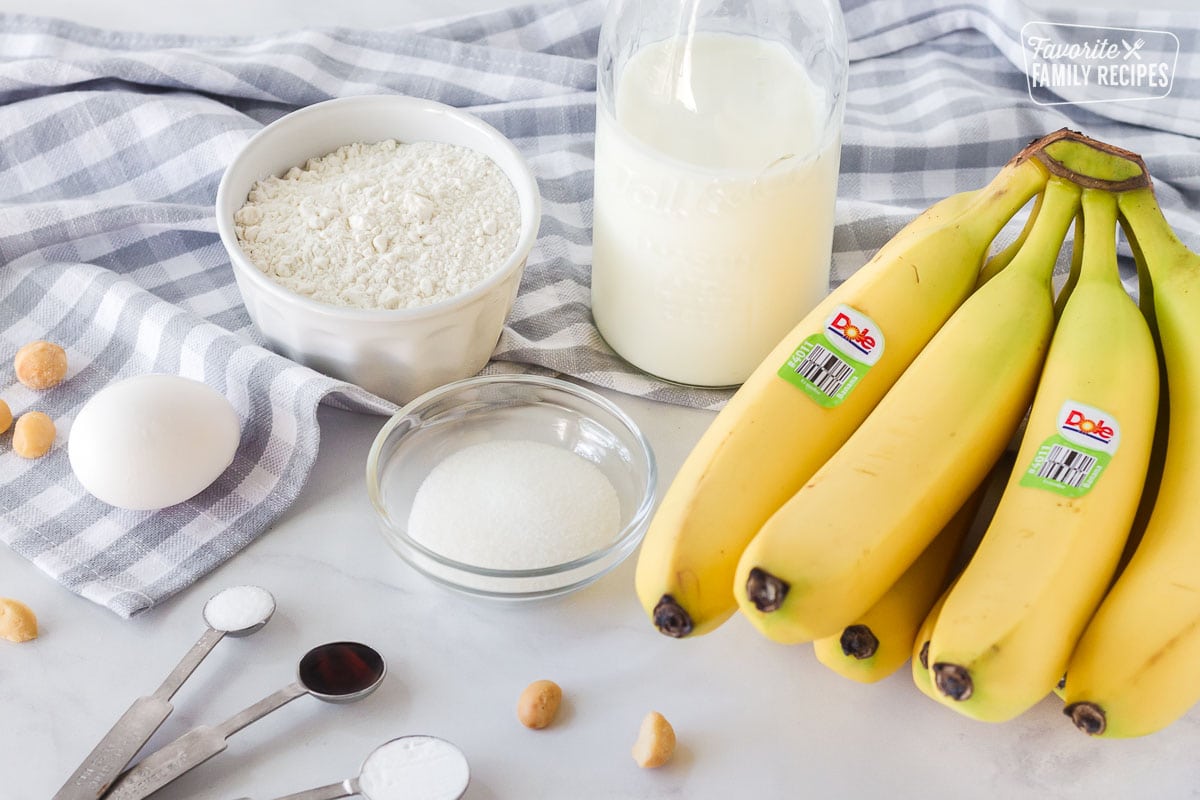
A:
(718, 132)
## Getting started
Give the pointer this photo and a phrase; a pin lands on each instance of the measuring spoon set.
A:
(337, 672)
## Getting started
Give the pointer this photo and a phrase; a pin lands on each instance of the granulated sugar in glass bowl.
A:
(512, 486)
(515, 504)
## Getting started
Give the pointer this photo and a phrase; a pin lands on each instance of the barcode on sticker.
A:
(1066, 466)
(824, 370)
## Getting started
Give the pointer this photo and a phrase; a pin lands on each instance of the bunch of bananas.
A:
(830, 499)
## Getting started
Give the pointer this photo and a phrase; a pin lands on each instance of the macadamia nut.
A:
(655, 742)
(538, 704)
(33, 435)
(17, 622)
(41, 364)
(5, 416)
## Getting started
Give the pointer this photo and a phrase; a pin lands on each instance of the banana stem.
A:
(1040, 252)
(1100, 246)
(1152, 235)
(1145, 287)
(1089, 162)
(1068, 155)
(1004, 257)
(1010, 190)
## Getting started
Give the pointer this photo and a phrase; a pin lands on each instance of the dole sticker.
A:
(829, 364)
(1088, 426)
(855, 334)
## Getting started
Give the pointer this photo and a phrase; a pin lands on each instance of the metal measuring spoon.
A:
(135, 727)
(338, 672)
(407, 768)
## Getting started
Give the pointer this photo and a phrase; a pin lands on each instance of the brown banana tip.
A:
(765, 590)
(671, 619)
(859, 642)
(923, 656)
(1062, 683)
(953, 681)
(1088, 717)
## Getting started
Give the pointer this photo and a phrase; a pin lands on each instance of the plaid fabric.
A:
(112, 145)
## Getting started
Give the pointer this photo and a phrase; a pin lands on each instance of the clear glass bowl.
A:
(505, 407)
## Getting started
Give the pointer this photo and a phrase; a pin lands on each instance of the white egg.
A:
(152, 441)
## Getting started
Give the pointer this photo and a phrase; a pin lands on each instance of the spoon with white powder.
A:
(236, 611)
(337, 672)
(407, 768)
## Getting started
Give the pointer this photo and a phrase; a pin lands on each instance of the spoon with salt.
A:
(338, 672)
(237, 611)
(407, 768)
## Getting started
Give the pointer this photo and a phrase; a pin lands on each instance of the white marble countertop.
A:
(754, 719)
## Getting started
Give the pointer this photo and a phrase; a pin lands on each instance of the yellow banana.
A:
(989, 495)
(831, 551)
(922, 676)
(1137, 667)
(1007, 630)
(808, 395)
(879, 642)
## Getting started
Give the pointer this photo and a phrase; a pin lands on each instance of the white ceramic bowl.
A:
(397, 354)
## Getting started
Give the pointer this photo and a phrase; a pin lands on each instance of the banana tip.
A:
(671, 619)
(953, 681)
(765, 590)
(1088, 717)
(859, 642)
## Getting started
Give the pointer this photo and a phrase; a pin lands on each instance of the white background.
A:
(754, 719)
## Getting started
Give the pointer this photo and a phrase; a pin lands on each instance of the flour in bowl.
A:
(384, 225)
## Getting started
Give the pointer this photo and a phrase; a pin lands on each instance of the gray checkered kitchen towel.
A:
(112, 144)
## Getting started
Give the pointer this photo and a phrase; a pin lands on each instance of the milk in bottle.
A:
(715, 180)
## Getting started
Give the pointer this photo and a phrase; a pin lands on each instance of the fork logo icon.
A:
(1132, 49)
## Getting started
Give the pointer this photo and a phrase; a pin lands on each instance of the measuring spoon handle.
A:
(135, 727)
(193, 749)
(333, 791)
(166, 764)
